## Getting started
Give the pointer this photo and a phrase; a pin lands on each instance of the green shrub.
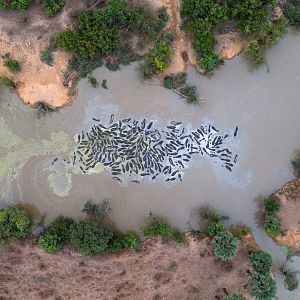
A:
(175, 81)
(90, 238)
(241, 231)
(271, 226)
(7, 82)
(47, 57)
(209, 61)
(292, 13)
(291, 281)
(52, 6)
(261, 262)
(169, 37)
(225, 245)
(56, 234)
(189, 93)
(296, 165)
(262, 286)
(255, 51)
(83, 65)
(93, 81)
(12, 64)
(131, 241)
(15, 4)
(216, 228)
(14, 223)
(235, 297)
(67, 40)
(158, 227)
(271, 206)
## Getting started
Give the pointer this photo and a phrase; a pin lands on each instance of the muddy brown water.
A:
(265, 107)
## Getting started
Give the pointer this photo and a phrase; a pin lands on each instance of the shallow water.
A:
(265, 107)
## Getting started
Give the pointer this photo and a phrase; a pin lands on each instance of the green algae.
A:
(15, 152)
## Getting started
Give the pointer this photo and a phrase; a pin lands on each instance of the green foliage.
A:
(175, 81)
(189, 93)
(291, 281)
(67, 40)
(251, 14)
(169, 37)
(93, 81)
(261, 262)
(255, 51)
(292, 13)
(15, 4)
(296, 165)
(235, 297)
(52, 6)
(14, 223)
(131, 241)
(225, 245)
(272, 206)
(12, 64)
(262, 286)
(271, 226)
(7, 82)
(97, 212)
(209, 61)
(83, 65)
(47, 57)
(103, 31)
(216, 228)
(158, 227)
(241, 231)
(156, 61)
(90, 238)
(56, 234)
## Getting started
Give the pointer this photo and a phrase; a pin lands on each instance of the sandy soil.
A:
(289, 214)
(25, 40)
(155, 271)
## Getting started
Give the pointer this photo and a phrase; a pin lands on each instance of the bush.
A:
(15, 4)
(241, 231)
(131, 241)
(296, 165)
(189, 93)
(93, 81)
(292, 13)
(235, 297)
(12, 64)
(216, 228)
(14, 223)
(157, 227)
(52, 6)
(90, 238)
(210, 61)
(67, 40)
(56, 234)
(8, 82)
(47, 57)
(271, 206)
(175, 81)
(291, 281)
(262, 287)
(169, 37)
(225, 245)
(261, 262)
(255, 51)
(271, 226)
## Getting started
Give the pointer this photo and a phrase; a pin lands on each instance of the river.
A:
(263, 105)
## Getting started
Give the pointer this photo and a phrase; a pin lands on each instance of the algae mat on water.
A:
(15, 152)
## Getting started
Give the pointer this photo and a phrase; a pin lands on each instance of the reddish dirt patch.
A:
(155, 271)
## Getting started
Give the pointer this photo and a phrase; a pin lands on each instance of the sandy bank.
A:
(155, 271)
(24, 40)
(289, 214)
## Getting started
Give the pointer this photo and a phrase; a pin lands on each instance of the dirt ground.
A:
(289, 214)
(24, 40)
(155, 271)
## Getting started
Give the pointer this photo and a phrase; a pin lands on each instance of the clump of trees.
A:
(271, 223)
(253, 18)
(159, 227)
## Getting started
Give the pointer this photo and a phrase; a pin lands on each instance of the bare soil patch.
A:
(154, 271)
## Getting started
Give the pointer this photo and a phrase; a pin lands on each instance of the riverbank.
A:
(156, 270)
(30, 33)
